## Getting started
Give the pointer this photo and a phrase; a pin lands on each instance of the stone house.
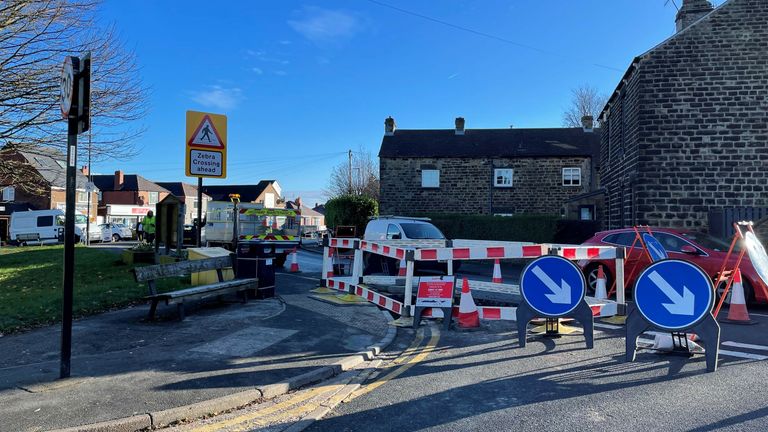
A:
(685, 134)
(187, 194)
(486, 171)
(127, 198)
(44, 175)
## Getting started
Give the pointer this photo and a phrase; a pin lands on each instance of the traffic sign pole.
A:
(199, 230)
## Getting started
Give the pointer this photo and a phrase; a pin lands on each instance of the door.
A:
(4, 230)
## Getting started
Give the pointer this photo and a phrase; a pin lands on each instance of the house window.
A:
(195, 204)
(430, 178)
(502, 177)
(82, 197)
(571, 176)
(9, 193)
(587, 212)
(154, 197)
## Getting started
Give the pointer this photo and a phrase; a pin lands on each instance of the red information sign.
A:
(435, 292)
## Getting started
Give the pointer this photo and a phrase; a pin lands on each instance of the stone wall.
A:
(465, 185)
(698, 132)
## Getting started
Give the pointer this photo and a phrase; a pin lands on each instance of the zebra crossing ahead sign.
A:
(206, 150)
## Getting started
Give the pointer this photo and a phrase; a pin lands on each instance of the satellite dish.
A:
(757, 255)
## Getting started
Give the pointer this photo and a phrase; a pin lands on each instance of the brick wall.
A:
(465, 185)
(698, 130)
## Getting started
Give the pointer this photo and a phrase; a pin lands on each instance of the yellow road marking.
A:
(431, 345)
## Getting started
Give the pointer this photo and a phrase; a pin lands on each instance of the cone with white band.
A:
(737, 310)
(600, 292)
(469, 317)
(496, 272)
(294, 262)
(402, 270)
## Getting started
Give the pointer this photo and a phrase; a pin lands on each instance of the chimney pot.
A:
(690, 12)
(389, 126)
(459, 125)
(119, 179)
(588, 123)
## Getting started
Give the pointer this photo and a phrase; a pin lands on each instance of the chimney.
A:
(588, 123)
(459, 125)
(298, 203)
(389, 126)
(119, 180)
(690, 12)
(84, 170)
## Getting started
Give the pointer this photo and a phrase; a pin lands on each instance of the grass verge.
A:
(31, 285)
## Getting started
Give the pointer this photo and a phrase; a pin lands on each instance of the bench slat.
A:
(180, 268)
(192, 291)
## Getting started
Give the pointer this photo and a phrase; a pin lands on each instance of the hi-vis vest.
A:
(149, 224)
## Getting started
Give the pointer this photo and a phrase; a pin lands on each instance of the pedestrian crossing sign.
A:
(206, 149)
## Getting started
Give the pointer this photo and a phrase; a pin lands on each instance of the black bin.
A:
(257, 260)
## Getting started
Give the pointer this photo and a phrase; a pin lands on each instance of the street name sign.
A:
(553, 287)
(206, 149)
(655, 249)
(674, 296)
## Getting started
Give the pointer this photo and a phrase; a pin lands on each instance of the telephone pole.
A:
(350, 172)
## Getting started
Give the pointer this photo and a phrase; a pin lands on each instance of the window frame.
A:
(496, 176)
(44, 219)
(424, 179)
(156, 195)
(570, 178)
(9, 192)
(390, 232)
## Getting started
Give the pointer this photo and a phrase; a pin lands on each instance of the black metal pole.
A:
(199, 211)
(69, 248)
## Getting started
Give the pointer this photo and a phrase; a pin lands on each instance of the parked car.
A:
(701, 249)
(117, 231)
(385, 228)
(44, 227)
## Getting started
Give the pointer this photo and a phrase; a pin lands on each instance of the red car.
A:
(701, 249)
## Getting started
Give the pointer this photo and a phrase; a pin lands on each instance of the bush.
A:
(352, 210)
(530, 228)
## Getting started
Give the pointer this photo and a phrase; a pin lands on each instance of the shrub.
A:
(354, 210)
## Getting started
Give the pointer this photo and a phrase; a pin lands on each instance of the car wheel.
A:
(591, 275)
(727, 302)
(115, 238)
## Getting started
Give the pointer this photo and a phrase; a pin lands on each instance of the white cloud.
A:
(281, 73)
(218, 97)
(257, 70)
(323, 26)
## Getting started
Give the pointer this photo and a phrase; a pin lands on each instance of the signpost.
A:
(553, 287)
(205, 153)
(435, 293)
(74, 100)
(674, 296)
(654, 247)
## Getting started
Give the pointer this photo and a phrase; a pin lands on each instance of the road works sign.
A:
(552, 285)
(206, 150)
(435, 291)
(655, 249)
(673, 294)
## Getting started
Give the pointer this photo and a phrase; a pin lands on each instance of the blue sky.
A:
(303, 82)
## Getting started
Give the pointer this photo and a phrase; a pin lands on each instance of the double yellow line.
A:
(295, 406)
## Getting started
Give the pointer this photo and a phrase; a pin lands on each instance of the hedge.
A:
(531, 228)
(350, 210)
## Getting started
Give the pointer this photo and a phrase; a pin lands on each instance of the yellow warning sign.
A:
(206, 149)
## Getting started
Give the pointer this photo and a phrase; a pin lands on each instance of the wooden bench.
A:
(150, 274)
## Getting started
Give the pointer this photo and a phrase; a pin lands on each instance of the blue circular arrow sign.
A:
(674, 294)
(552, 285)
(655, 249)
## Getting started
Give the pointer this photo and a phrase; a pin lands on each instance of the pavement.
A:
(230, 353)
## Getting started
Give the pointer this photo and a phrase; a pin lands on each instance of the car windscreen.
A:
(80, 219)
(709, 242)
(421, 231)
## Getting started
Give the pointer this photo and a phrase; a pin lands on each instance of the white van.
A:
(41, 227)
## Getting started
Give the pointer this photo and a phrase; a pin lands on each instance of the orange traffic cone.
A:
(737, 310)
(600, 291)
(468, 315)
(496, 272)
(264, 222)
(274, 223)
(402, 270)
(294, 263)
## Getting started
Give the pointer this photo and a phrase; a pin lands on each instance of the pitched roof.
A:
(131, 182)
(52, 166)
(180, 189)
(482, 143)
(305, 211)
(248, 193)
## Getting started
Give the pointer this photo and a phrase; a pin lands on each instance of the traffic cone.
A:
(402, 270)
(496, 272)
(264, 222)
(737, 310)
(468, 316)
(274, 223)
(294, 263)
(600, 291)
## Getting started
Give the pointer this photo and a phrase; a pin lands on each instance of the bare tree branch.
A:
(365, 177)
(585, 101)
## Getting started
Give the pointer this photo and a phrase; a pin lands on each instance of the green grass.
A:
(31, 285)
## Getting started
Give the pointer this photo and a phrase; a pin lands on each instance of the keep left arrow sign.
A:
(681, 304)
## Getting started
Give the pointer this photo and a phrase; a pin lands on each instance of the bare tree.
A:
(365, 177)
(585, 101)
(35, 36)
